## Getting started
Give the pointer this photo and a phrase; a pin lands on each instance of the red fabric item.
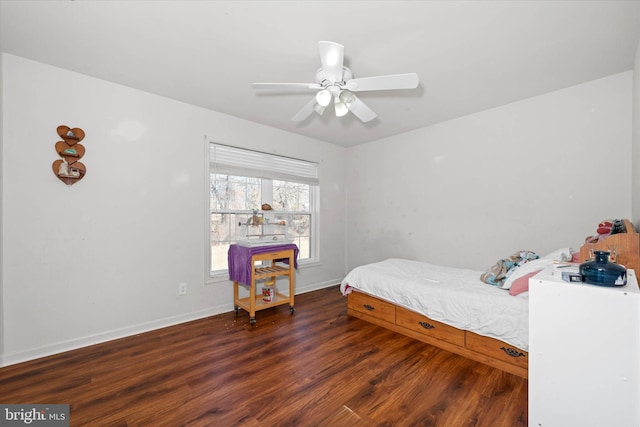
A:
(605, 227)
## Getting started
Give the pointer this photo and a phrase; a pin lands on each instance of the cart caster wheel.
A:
(237, 310)
(252, 321)
(292, 310)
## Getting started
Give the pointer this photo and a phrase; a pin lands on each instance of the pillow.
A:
(521, 284)
(575, 258)
(536, 265)
(526, 268)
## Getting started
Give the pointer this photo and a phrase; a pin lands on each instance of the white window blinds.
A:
(227, 160)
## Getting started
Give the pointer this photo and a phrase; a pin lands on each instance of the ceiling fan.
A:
(335, 82)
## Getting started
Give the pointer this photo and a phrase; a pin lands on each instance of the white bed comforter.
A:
(449, 295)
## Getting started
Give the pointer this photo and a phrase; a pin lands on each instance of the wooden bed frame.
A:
(486, 350)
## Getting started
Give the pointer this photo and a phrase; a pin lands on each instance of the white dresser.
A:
(584, 353)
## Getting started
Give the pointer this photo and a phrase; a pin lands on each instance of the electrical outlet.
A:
(182, 289)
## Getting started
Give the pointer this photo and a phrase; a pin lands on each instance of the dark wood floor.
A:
(318, 367)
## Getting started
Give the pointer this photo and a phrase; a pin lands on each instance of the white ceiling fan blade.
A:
(304, 112)
(391, 82)
(286, 86)
(332, 57)
(360, 110)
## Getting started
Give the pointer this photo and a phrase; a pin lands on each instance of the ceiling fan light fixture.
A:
(323, 97)
(341, 108)
(346, 97)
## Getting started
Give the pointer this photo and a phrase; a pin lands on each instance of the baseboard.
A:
(317, 286)
(12, 359)
(15, 358)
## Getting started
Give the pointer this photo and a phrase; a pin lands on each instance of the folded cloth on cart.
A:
(239, 259)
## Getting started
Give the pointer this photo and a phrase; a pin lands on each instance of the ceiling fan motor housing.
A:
(323, 80)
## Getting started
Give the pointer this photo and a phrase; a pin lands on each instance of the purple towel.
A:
(239, 259)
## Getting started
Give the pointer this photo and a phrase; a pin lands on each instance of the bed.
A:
(450, 307)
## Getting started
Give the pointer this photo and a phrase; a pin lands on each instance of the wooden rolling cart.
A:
(281, 261)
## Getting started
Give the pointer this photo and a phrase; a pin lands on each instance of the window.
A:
(241, 181)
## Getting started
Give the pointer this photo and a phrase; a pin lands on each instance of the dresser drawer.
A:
(372, 306)
(497, 349)
(419, 323)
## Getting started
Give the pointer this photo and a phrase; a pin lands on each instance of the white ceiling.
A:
(469, 55)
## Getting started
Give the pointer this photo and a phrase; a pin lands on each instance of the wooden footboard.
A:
(486, 350)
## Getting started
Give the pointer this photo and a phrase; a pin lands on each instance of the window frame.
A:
(212, 276)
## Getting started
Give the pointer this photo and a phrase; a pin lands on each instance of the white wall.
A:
(1, 221)
(103, 258)
(635, 187)
(537, 174)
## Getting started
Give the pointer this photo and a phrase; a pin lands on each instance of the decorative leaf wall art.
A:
(68, 169)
